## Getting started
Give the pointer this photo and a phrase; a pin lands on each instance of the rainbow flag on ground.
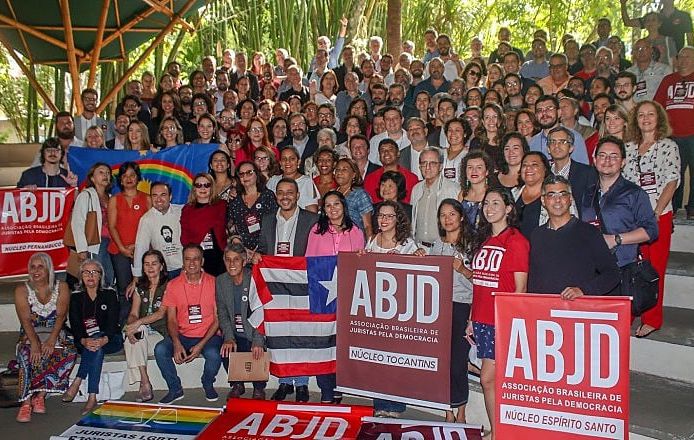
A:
(122, 419)
(176, 166)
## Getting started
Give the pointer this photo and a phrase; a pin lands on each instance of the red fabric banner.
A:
(562, 367)
(381, 429)
(264, 419)
(33, 221)
(394, 327)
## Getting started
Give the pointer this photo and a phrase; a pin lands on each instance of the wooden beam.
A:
(73, 65)
(27, 72)
(38, 34)
(96, 50)
(116, 8)
(169, 13)
(21, 34)
(105, 100)
(127, 26)
(83, 28)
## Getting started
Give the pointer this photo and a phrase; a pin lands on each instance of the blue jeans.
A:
(91, 362)
(243, 345)
(327, 384)
(163, 353)
(104, 258)
(299, 381)
(686, 146)
(389, 405)
(122, 268)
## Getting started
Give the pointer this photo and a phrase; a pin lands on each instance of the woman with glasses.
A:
(266, 161)
(256, 136)
(474, 97)
(45, 353)
(289, 165)
(202, 223)
(472, 75)
(653, 163)
(170, 133)
(221, 168)
(94, 312)
(246, 210)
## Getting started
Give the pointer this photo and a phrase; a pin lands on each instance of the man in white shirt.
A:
(393, 119)
(88, 118)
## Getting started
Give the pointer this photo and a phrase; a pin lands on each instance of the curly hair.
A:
(402, 222)
(662, 129)
(484, 229)
(273, 167)
(492, 179)
(323, 223)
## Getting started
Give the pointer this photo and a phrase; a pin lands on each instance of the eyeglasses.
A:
(262, 158)
(551, 108)
(611, 157)
(511, 83)
(385, 216)
(91, 273)
(199, 185)
(455, 90)
(50, 150)
(200, 104)
(169, 128)
(245, 173)
(256, 130)
(558, 142)
(324, 115)
(557, 194)
(474, 73)
(429, 164)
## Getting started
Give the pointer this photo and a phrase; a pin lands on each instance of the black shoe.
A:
(302, 393)
(282, 391)
(237, 390)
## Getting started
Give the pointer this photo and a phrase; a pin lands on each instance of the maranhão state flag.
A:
(293, 303)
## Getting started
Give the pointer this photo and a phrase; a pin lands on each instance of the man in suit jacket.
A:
(580, 176)
(285, 233)
(306, 145)
(88, 118)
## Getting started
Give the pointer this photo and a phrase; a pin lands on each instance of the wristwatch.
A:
(618, 239)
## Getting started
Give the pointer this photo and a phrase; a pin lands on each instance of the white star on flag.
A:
(331, 285)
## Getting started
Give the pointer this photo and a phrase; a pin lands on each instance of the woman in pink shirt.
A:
(334, 231)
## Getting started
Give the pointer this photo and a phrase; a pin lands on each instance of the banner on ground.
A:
(263, 419)
(176, 166)
(292, 302)
(395, 429)
(562, 367)
(140, 421)
(33, 221)
(394, 327)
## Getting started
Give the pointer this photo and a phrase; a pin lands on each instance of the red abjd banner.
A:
(562, 367)
(33, 221)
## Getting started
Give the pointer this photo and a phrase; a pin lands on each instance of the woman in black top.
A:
(94, 322)
(534, 168)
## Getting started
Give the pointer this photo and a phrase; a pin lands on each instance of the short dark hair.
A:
(604, 96)
(627, 74)
(195, 246)
(562, 129)
(553, 179)
(125, 166)
(612, 140)
(288, 180)
(544, 98)
(160, 183)
(51, 142)
(387, 141)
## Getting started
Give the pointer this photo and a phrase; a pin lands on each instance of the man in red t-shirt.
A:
(191, 312)
(676, 95)
(389, 154)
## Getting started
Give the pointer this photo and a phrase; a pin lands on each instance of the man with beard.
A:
(368, 68)
(65, 130)
(49, 173)
(304, 144)
(432, 50)
(604, 65)
(121, 129)
(417, 134)
(240, 71)
(649, 73)
(347, 67)
(417, 72)
(379, 94)
(537, 68)
(624, 89)
(394, 132)
(600, 103)
(396, 95)
(134, 88)
(296, 86)
(387, 69)
(88, 118)
(345, 97)
(174, 69)
(185, 94)
(452, 67)
(514, 98)
(227, 119)
(436, 82)
(327, 119)
(558, 77)
(445, 111)
(208, 69)
(222, 81)
(547, 111)
(230, 99)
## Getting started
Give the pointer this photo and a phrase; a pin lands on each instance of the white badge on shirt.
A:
(253, 223)
(206, 244)
(648, 182)
(194, 314)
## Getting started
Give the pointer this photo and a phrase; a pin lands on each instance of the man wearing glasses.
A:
(558, 77)
(427, 196)
(88, 118)
(568, 256)
(547, 111)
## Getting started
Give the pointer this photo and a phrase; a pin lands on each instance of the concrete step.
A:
(683, 235)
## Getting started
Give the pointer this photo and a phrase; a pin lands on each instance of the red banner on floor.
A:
(394, 327)
(562, 367)
(262, 419)
(391, 429)
(33, 221)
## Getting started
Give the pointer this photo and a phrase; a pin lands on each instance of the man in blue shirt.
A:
(620, 208)
(547, 111)
(49, 174)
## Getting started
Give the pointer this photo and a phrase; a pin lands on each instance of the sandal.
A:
(145, 394)
(644, 333)
(69, 395)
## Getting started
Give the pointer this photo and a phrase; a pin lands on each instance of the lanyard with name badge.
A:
(194, 310)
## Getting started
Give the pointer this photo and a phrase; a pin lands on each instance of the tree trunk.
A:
(393, 28)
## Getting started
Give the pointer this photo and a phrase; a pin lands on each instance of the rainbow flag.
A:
(115, 417)
(176, 166)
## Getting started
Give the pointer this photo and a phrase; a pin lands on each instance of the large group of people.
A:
(541, 172)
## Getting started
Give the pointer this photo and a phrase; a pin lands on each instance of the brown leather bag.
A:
(91, 229)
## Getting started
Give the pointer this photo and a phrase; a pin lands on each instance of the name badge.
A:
(194, 314)
(206, 243)
(648, 182)
(449, 173)
(91, 326)
(238, 323)
(283, 248)
(640, 89)
(253, 223)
